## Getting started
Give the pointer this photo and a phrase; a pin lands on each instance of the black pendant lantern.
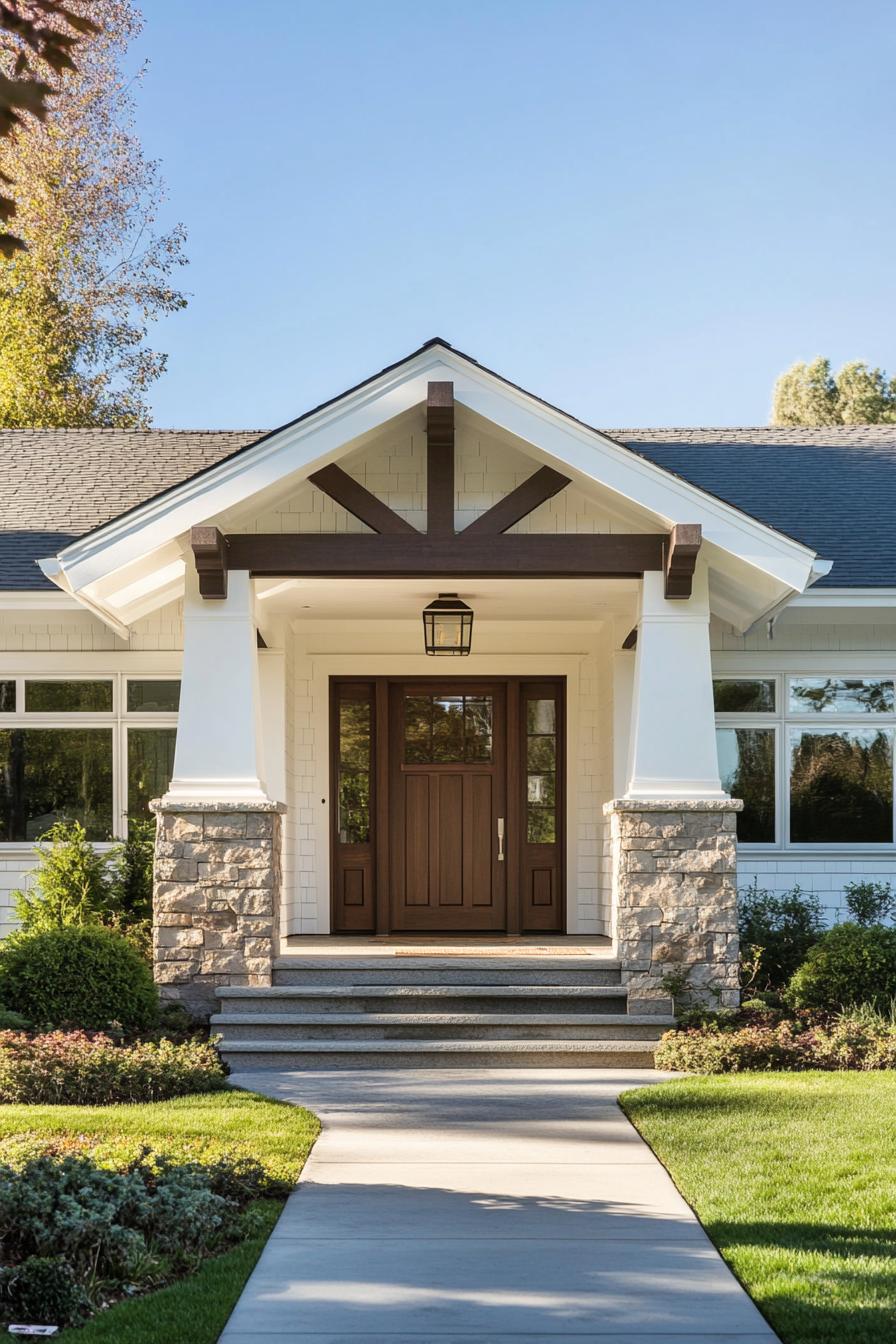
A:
(448, 626)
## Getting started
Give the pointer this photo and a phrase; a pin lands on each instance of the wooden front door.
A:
(423, 774)
(448, 794)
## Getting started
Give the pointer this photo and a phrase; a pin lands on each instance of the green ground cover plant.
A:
(70, 1068)
(214, 1177)
(793, 1177)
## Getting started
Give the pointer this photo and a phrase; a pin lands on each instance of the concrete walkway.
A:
(457, 1206)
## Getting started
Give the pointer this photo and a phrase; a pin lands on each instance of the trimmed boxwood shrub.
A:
(76, 1069)
(783, 926)
(83, 977)
(851, 963)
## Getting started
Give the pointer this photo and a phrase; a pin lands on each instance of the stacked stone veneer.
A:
(216, 898)
(675, 889)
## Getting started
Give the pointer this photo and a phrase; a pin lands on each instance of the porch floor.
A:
(447, 945)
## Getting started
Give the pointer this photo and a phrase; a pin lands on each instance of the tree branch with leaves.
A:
(77, 300)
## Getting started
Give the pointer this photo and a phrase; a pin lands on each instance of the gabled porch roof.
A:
(134, 563)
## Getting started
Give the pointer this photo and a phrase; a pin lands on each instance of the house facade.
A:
(676, 675)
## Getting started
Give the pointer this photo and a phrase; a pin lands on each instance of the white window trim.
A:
(782, 719)
(118, 719)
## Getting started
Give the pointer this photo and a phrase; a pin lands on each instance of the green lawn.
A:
(794, 1178)
(194, 1310)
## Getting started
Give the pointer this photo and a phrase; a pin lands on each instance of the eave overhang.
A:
(134, 563)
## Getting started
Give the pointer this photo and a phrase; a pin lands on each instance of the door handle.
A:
(500, 839)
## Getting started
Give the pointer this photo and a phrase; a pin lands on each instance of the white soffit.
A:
(143, 541)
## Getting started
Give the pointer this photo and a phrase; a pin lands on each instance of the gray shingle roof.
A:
(834, 489)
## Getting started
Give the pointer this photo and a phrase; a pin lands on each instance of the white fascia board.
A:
(40, 600)
(846, 597)
(642, 482)
(302, 447)
(330, 432)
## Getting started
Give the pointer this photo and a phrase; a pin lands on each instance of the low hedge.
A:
(86, 977)
(859, 1041)
(74, 1068)
(77, 1236)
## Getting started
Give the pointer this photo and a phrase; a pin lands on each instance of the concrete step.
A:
(292, 969)
(437, 1054)
(424, 998)
(438, 1026)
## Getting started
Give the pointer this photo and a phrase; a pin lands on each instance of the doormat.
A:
(515, 952)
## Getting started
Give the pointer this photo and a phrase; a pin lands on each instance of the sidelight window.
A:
(353, 783)
(541, 770)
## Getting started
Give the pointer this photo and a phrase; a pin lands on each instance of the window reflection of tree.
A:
(753, 781)
(841, 787)
(817, 695)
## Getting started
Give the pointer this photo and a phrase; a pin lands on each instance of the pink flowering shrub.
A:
(73, 1068)
(850, 1042)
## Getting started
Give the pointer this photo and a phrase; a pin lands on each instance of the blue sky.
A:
(641, 210)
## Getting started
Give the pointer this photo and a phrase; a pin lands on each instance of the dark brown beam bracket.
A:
(631, 639)
(360, 503)
(612, 555)
(209, 548)
(440, 459)
(543, 485)
(680, 559)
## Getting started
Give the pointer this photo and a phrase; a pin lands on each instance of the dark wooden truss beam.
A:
(209, 548)
(360, 503)
(440, 459)
(680, 559)
(541, 486)
(384, 557)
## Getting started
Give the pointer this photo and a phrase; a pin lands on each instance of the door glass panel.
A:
(417, 729)
(447, 729)
(541, 770)
(478, 729)
(541, 716)
(541, 752)
(353, 788)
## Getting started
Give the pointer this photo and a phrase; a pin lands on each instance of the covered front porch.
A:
(558, 778)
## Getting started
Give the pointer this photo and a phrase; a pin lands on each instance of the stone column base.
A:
(675, 895)
(216, 898)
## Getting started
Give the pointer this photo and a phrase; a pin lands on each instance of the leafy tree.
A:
(75, 306)
(30, 42)
(810, 394)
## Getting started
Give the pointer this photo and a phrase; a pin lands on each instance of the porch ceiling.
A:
(404, 599)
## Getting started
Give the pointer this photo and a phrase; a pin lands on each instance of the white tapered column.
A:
(672, 750)
(218, 756)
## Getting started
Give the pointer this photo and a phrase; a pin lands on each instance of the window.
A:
(354, 767)
(447, 729)
(541, 769)
(805, 783)
(88, 749)
(747, 769)
(55, 774)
